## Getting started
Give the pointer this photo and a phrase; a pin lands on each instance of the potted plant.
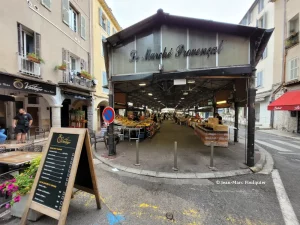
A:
(34, 58)
(85, 75)
(19, 188)
(61, 67)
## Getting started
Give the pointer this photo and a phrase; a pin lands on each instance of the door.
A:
(34, 112)
(84, 108)
(65, 113)
(298, 124)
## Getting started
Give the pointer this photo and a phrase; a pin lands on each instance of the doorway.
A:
(84, 108)
(34, 112)
(65, 113)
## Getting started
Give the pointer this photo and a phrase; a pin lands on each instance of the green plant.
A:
(86, 74)
(61, 67)
(21, 184)
(33, 55)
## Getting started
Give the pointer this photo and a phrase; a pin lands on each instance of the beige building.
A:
(261, 14)
(58, 33)
(104, 24)
(286, 60)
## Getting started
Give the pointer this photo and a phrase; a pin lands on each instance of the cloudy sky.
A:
(129, 12)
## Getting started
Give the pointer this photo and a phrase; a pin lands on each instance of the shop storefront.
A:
(177, 62)
(21, 92)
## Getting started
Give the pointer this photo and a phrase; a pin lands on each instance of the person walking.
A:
(22, 123)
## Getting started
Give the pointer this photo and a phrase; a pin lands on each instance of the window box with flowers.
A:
(62, 67)
(19, 188)
(86, 75)
(34, 58)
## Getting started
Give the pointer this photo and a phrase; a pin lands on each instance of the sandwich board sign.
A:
(67, 163)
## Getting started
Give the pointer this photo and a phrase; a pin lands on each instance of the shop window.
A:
(73, 19)
(104, 82)
(261, 5)
(259, 79)
(33, 100)
(293, 69)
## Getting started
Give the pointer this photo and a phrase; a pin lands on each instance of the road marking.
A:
(287, 210)
(4, 213)
(288, 144)
(289, 153)
(272, 146)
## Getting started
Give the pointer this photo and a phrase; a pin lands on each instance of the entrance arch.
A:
(100, 107)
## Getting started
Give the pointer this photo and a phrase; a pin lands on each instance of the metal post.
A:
(212, 155)
(251, 120)
(236, 122)
(175, 168)
(137, 154)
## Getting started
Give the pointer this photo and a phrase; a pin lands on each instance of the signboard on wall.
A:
(20, 84)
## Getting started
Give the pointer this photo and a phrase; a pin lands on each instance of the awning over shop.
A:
(31, 85)
(289, 101)
(77, 95)
(7, 98)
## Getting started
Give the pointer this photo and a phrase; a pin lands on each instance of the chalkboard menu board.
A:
(54, 177)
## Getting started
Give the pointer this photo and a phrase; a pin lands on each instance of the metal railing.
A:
(73, 78)
(292, 40)
(29, 68)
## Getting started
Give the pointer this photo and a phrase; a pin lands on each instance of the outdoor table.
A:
(16, 158)
(13, 146)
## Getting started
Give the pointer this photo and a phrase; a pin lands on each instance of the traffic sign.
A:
(108, 115)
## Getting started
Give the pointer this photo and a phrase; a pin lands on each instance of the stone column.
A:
(90, 116)
(56, 115)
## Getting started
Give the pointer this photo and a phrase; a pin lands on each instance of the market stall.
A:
(212, 131)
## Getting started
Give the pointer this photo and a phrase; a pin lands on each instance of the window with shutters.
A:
(293, 69)
(28, 41)
(83, 27)
(259, 79)
(113, 30)
(102, 50)
(102, 19)
(65, 11)
(265, 53)
(262, 22)
(46, 3)
(73, 19)
(260, 5)
(108, 27)
(104, 82)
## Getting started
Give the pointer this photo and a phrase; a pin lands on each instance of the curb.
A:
(174, 175)
(269, 163)
(261, 162)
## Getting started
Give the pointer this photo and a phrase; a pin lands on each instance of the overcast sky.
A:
(129, 12)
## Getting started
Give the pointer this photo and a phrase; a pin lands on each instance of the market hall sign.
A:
(14, 83)
(67, 163)
(180, 51)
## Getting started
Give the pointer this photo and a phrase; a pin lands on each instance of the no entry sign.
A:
(108, 115)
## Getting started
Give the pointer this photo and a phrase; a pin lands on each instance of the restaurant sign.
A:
(19, 84)
(180, 51)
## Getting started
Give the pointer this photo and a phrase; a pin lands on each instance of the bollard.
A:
(175, 168)
(137, 154)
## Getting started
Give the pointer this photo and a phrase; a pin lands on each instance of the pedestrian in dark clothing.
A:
(22, 123)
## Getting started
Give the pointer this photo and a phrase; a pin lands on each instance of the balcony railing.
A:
(292, 40)
(29, 68)
(73, 78)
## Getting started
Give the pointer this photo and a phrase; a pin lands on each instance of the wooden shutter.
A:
(20, 40)
(100, 17)
(37, 44)
(47, 3)
(83, 26)
(108, 27)
(65, 11)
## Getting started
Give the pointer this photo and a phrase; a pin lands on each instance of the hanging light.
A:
(182, 98)
(191, 82)
(185, 93)
(142, 84)
(150, 94)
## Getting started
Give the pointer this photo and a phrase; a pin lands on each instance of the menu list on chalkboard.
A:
(53, 181)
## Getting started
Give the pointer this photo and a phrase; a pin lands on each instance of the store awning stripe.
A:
(289, 101)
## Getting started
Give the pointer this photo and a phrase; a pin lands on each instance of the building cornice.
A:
(110, 14)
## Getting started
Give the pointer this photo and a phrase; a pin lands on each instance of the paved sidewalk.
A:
(157, 155)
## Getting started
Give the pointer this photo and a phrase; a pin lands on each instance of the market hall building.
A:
(178, 62)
